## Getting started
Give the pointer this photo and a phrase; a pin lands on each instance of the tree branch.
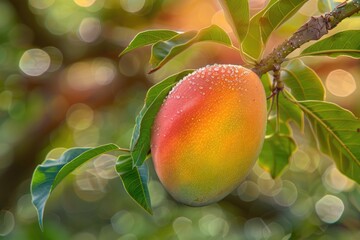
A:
(314, 29)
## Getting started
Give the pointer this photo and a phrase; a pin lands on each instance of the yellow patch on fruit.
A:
(209, 133)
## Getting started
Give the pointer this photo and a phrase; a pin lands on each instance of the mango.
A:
(208, 133)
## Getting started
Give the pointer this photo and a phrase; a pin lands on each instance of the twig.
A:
(314, 29)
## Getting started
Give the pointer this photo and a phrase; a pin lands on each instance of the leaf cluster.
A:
(301, 101)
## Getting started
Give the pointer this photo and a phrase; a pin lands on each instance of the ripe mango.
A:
(208, 133)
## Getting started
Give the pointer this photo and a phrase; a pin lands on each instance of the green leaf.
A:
(147, 38)
(290, 112)
(338, 134)
(135, 180)
(237, 13)
(343, 43)
(277, 14)
(304, 83)
(326, 5)
(252, 45)
(140, 142)
(50, 173)
(276, 153)
(284, 128)
(164, 51)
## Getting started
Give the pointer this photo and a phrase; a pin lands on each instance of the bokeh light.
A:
(56, 57)
(132, 6)
(213, 226)
(269, 186)
(336, 181)
(84, 3)
(90, 29)
(34, 62)
(288, 194)
(80, 116)
(183, 227)
(25, 210)
(329, 208)
(129, 65)
(340, 83)
(248, 191)
(88, 75)
(104, 166)
(7, 222)
(256, 228)
(63, 85)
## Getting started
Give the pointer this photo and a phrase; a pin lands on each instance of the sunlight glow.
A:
(34, 62)
(132, 6)
(340, 83)
(89, 29)
(84, 3)
(329, 208)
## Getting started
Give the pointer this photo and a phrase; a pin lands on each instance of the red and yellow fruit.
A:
(209, 133)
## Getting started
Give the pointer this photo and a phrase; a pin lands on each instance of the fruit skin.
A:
(208, 133)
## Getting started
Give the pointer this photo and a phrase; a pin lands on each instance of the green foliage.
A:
(277, 14)
(278, 147)
(336, 129)
(164, 51)
(51, 172)
(337, 132)
(252, 45)
(237, 13)
(304, 83)
(276, 153)
(135, 180)
(343, 43)
(290, 112)
(140, 142)
(265, 22)
(147, 38)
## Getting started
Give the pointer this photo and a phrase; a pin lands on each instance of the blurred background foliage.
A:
(63, 85)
